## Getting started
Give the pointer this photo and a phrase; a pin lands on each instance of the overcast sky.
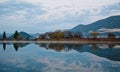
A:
(49, 15)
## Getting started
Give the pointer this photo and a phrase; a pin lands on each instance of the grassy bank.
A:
(79, 40)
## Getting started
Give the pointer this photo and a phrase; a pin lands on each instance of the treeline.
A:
(58, 35)
(69, 35)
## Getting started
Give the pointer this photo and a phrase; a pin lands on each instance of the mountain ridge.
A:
(110, 23)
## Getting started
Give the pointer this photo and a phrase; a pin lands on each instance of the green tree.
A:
(4, 35)
(111, 35)
(16, 35)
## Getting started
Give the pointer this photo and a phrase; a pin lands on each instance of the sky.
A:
(39, 16)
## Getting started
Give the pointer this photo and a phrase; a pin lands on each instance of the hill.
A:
(24, 35)
(112, 22)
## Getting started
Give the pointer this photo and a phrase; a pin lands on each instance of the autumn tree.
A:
(59, 34)
(94, 34)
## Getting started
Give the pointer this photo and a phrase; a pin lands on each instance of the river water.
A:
(48, 57)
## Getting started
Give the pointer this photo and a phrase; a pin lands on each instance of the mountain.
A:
(35, 35)
(107, 23)
(23, 34)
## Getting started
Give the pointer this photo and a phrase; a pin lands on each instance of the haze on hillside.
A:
(47, 15)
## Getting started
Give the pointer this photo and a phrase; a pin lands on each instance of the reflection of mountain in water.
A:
(112, 54)
(19, 45)
(16, 45)
(107, 51)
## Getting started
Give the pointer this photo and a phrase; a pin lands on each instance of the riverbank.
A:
(84, 41)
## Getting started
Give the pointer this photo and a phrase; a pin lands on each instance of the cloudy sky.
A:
(49, 15)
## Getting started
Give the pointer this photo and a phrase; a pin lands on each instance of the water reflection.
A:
(49, 57)
(111, 45)
(4, 46)
(68, 47)
(15, 45)
(108, 51)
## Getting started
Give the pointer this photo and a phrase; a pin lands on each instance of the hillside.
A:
(24, 35)
(112, 22)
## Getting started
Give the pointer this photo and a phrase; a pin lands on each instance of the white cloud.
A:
(93, 64)
(1, 1)
(59, 9)
(109, 30)
(66, 13)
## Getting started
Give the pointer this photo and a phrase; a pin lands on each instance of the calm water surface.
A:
(43, 57)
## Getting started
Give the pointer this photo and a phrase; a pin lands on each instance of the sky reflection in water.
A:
(59, 58)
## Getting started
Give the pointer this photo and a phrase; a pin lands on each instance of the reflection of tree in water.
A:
(57, 47)
(42, 45)
(101, 50)
(19, 45)
(16, 46)
(4, 46)
(60, 47)
(95, 47)
(111, 45)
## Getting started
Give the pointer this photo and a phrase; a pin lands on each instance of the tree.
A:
(78, 34)
(16, 46)
(94, 34)
(20, 37)
(59, 34)
(52, 35)
(111, 35)
(42, 36)
(16, 34)
(4, 35)
(67, 34)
